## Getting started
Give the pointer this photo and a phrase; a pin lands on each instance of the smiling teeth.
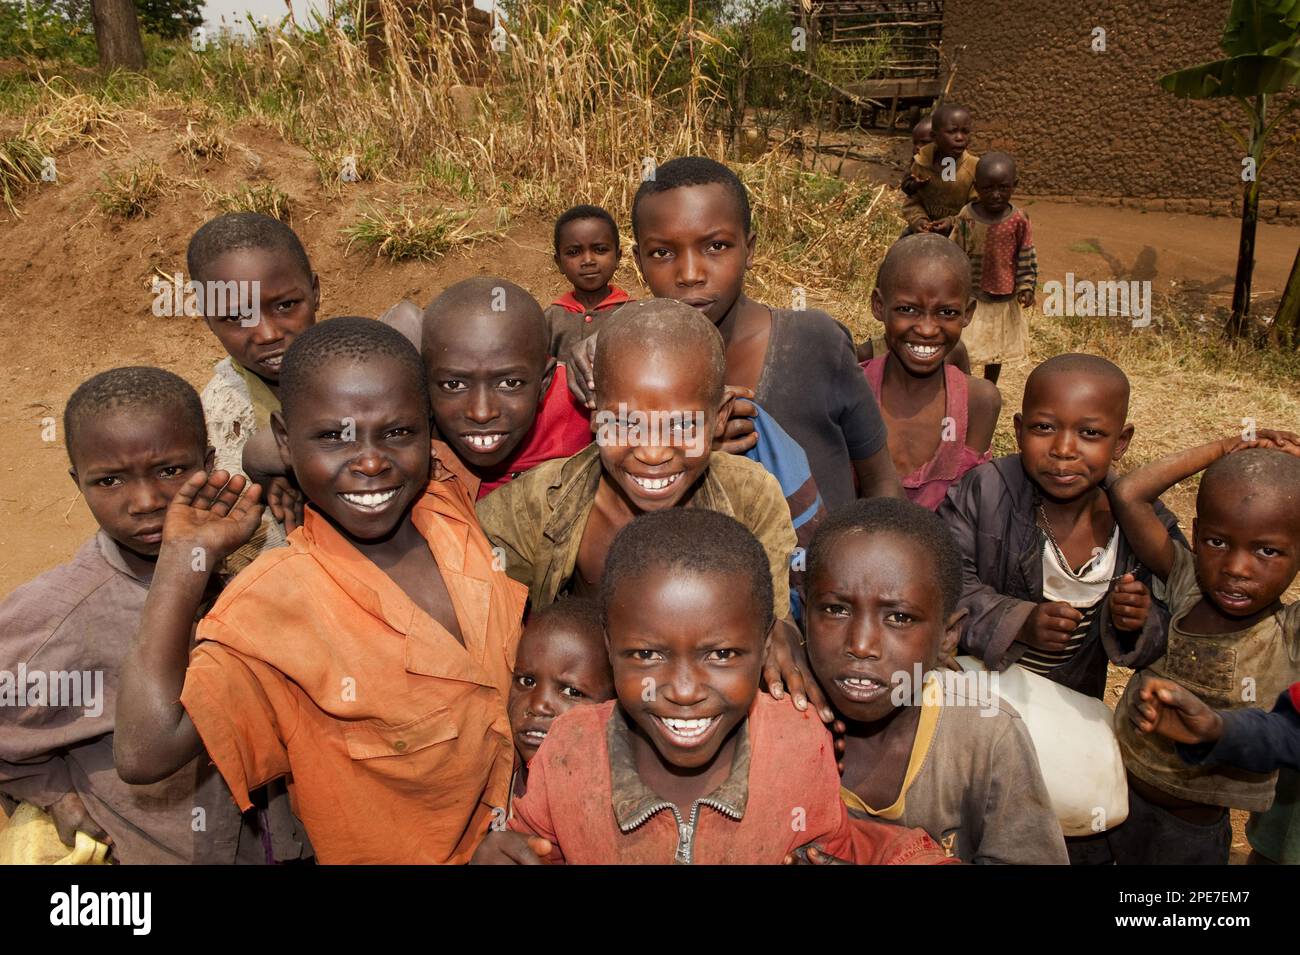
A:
(535, 734)
(370, 500)
(924, 351)
(860, 682)
(484, 442)
(688, 728)
(274, 361)
(656, 484)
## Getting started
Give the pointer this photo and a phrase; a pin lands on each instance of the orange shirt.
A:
(315, 664)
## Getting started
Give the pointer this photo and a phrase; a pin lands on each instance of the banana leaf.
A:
(1247, 75)
(1268, 27)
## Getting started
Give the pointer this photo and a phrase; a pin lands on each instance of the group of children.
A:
(645, 581)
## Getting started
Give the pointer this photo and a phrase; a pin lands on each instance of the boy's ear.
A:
(750, 241)
(281, 435)
(1121, 445)
(952, 631)
(315, 293)
(970, 312)
(1017, 425)
(209, 459)
(724, 413)
(72, 473)
(877, 305)
(547, 377)
(636, 258)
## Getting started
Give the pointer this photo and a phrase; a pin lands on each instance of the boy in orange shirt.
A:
(368, 660)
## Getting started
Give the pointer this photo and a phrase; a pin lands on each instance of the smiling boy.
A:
(369, 659)
(499, 398)
(691, 764)
(657, 360)
(134, 437)
(940, 420)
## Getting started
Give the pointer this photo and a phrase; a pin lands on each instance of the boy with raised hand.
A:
(690, 764)
(694, 243)
(135, 437)
(369, 660)
(1231, 641)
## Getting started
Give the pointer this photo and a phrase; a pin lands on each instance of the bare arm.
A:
(209, 518)
(985, 405)
(1133, 499)
(877, 477)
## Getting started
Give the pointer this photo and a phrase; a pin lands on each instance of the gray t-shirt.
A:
(812, 384)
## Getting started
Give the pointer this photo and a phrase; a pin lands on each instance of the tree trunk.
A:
(1286, 325)
(117, 34)
(1249, 222)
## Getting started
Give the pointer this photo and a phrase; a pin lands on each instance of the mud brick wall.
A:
(1097, 124)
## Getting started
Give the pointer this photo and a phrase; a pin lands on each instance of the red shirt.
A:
(616, 296)
(561, 429)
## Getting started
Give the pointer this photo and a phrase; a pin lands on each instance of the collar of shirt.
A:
(570, 303)
(111, 551)
(442, 516)
(634, 802)
(926, 158)
(573, 492)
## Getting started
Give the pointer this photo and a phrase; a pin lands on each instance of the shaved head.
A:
(661, 326)
(491, 301)
(921, 250)
(996, 164)
(1254, 471)
(947, 111)
(1105, 373)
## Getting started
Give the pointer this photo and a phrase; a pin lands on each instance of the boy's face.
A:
(488, 373)
(875, 610)
(687, 651)
(1245, 541)
(692, 246)
(952, 135)
(358, 443)
(924, 311)
(655, 420)
(1071, 430)
(922, 135)
(557, 668)
(288, 300)
(129, 464)
(995, 188)
(587, 253)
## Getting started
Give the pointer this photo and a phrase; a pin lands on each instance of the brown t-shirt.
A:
(1229, 671)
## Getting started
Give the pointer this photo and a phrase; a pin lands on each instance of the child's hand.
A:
(1130, 602)
(1050, 625)
(812, 854)
(925, 225)
(581, 362)
(503, 847)
(70, 817)
(941, 226)
(1026, 298)
(786, 668)
(739, 434)
(286, 503)
(1278, 440)
(216, 512)
(1174, 712)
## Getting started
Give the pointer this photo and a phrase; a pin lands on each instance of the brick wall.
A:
(1097, 124)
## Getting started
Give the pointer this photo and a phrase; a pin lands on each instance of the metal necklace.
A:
(1060, 555)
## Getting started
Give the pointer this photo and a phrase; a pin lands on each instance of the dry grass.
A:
(267, 199)
(133, 193)
(21, 163)
(400, 232)
(201, 144)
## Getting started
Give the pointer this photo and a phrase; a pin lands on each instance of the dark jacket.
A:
(991, 513)
(1254, 740)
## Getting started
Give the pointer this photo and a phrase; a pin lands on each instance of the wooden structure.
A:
(910, 79)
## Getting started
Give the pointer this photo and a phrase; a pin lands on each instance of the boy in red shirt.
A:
(690, 764)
